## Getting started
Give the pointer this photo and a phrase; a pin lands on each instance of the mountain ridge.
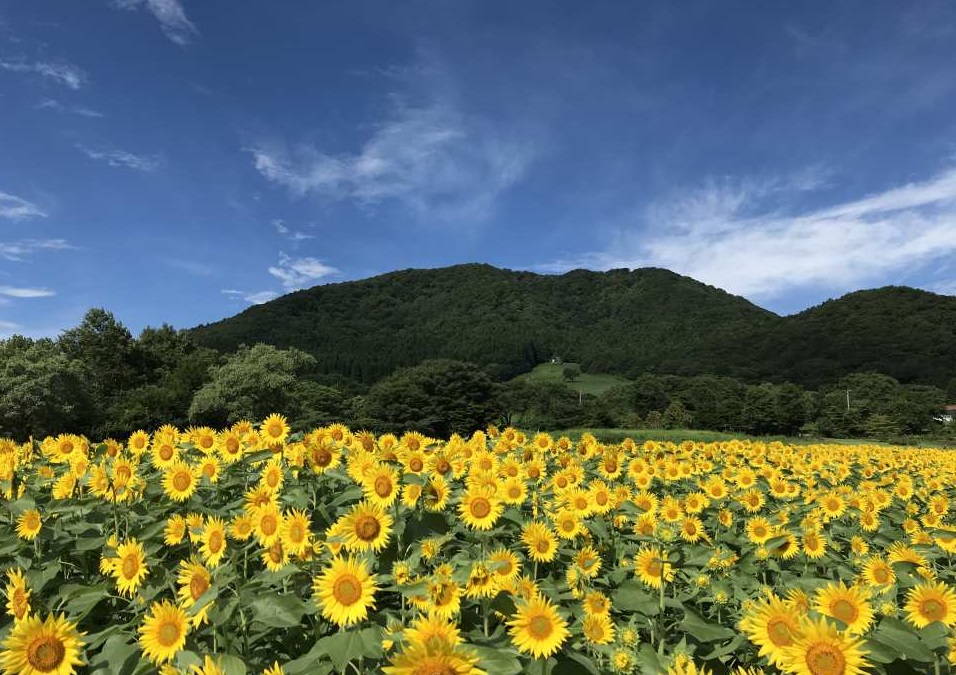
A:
(620, 321)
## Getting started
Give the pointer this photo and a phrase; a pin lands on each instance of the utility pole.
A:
(847, 399)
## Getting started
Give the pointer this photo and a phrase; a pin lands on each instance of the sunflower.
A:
(175, 530)
(759, 530)
(213, 541)
(588, 562)
(275, 557)
(814, 545)
(267, 522)
(231, 448)
(504, 564)
(346, 591)
(381, 485)
(274, 669)
(180, 481)
(163, 453)
(537, 628)
(272, 475)
(163, 632)
(194, 580)
(274, 429)
(38, 646)
(598, 629)
(444, 597)
(18, 595)
(877, 572)
(138, 442)
(480, 508)
(432, 632)
(692, 530)
(367, 527)
(417, 659)
(209, 468)
(651, 566)
(540, 541)
(241, 527)
(819, 648)
(129, 566)
(850, 605)
(930, 602)
(567, 524)
(295, 532)
(435, 494)
(29, 524)
(209, 667)
(595, 602)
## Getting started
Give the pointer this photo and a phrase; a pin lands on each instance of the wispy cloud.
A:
(289, 233)
(196, 268)
(438, 162)
(15, 208)
(53, 104)
(253, 298)
(8, 328)
(122, 159)
(171, 16)
(945, 287)
(296, 273)
(740, 238)
(19, 250)
(62, 73)
(19, 292)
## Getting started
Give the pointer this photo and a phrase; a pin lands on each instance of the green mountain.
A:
(620, 321)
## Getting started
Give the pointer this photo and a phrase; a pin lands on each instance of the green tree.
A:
(41, 390)
(879, 425)
(251, 384)
(676, 416)
(438, 397)
(571, 373)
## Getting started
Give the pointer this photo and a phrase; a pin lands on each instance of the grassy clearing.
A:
(587, 383)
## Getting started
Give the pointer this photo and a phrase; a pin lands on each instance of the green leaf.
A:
(279, 611)
(351, 645)
(572, 662)
(648, 661)
(309, 663)
(231, 665)
(498, 661)
(118, 657)
(631, 596)
(80, 600)
(902, 639)
(703, 630)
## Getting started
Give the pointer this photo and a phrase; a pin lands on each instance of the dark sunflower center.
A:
(166, 453)
(933, 610)
(383, 486)
(480, 507)
(46, 653)
(181, 481)
(435, 665)
(296, 532)
(779, 632)
(442, 466)
(268, 525)
(347, 590)
(824, 659)
(540, 627)
(416, 464)
(197, 586)
(880, 575)
(168, 634)
(130, 566)
(322, 457)
(845, 611)
(367, 527)
(215, 541)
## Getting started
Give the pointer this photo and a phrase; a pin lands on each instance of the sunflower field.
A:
(253, 550)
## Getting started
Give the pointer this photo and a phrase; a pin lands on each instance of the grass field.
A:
(587, 383)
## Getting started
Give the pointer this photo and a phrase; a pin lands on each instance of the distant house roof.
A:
(950, 408)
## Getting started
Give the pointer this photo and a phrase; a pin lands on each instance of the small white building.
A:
(947, 415)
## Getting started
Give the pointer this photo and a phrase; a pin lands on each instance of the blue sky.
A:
(176, 160)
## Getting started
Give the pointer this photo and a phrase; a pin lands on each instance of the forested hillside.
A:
(621, 321)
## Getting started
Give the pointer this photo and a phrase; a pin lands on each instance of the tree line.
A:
(99, 380)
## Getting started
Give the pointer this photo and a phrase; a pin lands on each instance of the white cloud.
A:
(53, 104)
(8, 328)
(945, 287)
(290, 234)
(15, 208)
(19, 250)
(171, 16)
(254, 298)
(19, 292)
(738, 237)
(122, 159)
(62, 73)
(296, 273)
(437, 162)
